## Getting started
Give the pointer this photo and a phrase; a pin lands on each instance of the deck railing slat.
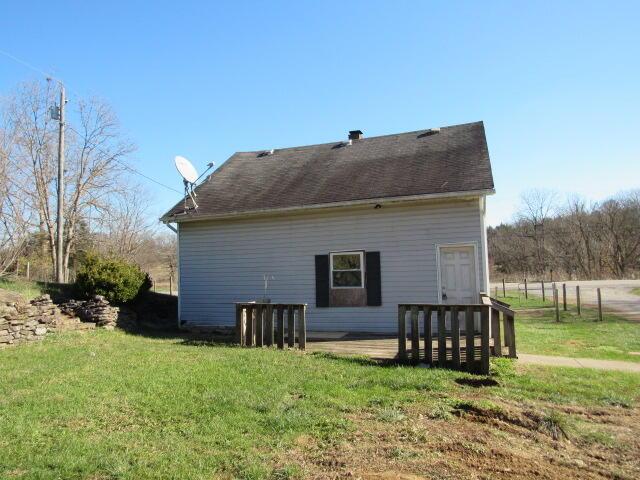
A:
(428, 335)
(415, 335)
(255, 324)
(469, 329)
(455, 337)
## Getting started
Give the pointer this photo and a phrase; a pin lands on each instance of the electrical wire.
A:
(131, 169)
(49, 76)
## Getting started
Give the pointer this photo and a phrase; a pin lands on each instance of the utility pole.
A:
(60, 233)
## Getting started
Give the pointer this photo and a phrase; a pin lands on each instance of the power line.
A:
(131, 169)
(26, 64)
(49, 76)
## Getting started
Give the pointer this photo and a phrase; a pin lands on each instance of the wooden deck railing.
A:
(457, 345)
(256, 326)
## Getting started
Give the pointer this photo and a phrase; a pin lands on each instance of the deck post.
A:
(510, 320)
(484, 342)
(402, 333)
(280, 326)
(291, 328)
(455, 337)
(415, 335)
(302, 328)
(442, 336)
(428, 335)
(469, 334)
(495, 332)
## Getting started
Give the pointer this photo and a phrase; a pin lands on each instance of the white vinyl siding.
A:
(224, 262)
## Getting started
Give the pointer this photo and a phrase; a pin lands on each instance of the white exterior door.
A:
(458, 275)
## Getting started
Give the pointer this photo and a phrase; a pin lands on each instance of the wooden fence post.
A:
(402, 333)
(564, 297)
(28, 270)
(526, 293)
(556, 302)
(578, 297)
(599, 306)
(543, 293)
(504, 289)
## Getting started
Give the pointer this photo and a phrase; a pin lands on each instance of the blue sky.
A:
(556, 83)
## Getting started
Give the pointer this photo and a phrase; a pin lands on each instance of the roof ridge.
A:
(364, 139)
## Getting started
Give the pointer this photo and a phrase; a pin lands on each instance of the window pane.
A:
(346, 262)
(347, 279)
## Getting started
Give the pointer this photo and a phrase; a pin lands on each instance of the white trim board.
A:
(439, 270)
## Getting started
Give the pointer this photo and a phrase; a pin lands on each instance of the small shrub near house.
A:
(117, 280)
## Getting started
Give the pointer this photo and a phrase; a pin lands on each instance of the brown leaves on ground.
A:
(482, 440)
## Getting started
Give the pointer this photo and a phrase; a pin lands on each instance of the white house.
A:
(352, 228)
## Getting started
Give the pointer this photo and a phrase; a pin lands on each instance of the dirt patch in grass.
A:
(482, 439)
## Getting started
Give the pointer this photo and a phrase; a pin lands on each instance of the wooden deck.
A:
(375, 346)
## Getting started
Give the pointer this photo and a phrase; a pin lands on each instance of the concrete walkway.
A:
(527, 358)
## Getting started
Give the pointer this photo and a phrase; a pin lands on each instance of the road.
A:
(616, 294)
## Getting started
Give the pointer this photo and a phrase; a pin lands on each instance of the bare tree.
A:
(14, 210)
(620, 220)
(96, 151)
(537, 207)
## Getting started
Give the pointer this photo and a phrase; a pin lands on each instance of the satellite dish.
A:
(185, 169)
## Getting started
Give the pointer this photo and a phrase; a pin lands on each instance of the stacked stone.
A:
(20, 323)
(71, 307)
(99, 311)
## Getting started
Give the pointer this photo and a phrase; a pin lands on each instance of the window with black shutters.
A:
(347, 270)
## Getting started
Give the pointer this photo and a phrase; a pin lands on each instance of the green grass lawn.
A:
(107, 405)
(635, 291)
(31, 289)
(574, 336)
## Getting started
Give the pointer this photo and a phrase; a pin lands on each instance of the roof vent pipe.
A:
(355, 134)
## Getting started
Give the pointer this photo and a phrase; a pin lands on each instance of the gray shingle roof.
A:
(455, 159)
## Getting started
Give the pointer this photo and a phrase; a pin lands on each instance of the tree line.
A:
(574, 239)
(105, 211)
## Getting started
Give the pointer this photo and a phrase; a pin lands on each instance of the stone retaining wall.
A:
(25, 322)
(22, 321)
(97, 310)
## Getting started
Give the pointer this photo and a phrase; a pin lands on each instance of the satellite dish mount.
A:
(189, 178)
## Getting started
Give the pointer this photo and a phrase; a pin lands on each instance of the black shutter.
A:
(374, 279)
(322, 280)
